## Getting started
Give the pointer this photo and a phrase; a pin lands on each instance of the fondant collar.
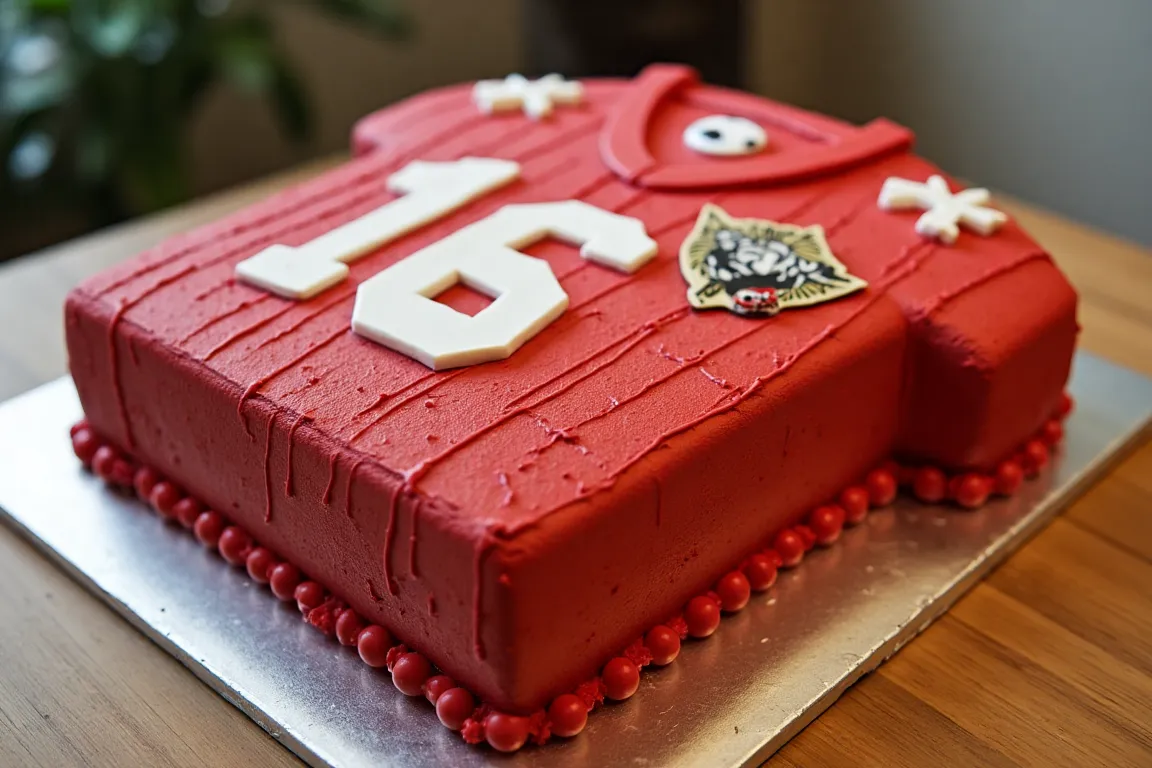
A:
(833, 145)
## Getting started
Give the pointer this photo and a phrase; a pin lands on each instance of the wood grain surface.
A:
(1048, 662)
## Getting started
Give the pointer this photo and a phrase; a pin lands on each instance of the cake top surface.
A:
(629, 365)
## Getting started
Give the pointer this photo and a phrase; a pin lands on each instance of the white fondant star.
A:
(535, 97)
(945, 211)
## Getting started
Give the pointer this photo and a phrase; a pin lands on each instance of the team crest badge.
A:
(759, 267)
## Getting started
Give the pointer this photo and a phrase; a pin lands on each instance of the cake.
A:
(772, 321)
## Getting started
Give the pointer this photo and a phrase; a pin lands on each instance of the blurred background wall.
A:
(1050, 100)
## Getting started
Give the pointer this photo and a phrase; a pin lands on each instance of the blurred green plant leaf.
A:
(245, 53)
(93, 150)
(112, 27)
(36, 69)
(249, 58)
(153, 174)
(31, 146)
(199, 74)
(382, 17)
(96, 95)
(21, 94)
(290, 101)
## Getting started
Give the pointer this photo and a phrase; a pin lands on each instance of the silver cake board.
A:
(729, 701)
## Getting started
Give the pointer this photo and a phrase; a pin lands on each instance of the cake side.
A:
(482, 604)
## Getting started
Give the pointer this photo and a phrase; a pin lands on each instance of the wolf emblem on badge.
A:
(760, 267)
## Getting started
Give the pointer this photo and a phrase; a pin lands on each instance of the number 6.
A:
(395, 308)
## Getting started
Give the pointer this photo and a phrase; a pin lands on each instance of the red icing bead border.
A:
(566, 716)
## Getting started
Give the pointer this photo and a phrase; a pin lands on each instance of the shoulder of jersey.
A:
(664, 129)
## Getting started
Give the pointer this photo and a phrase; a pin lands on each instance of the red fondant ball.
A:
(394, 654)
(621, 678)
(972, 490)
(454, 706)
(954, 486)
(164, 497)
(102, 461)
(734, 591)
(348, 628)
(209, 525)
(309, 596)
(806, 535)
(789, 546)
(854, 501)
(82, 424)
(1052, 433)
(1065, 406)
(930, 485)
(506, 733)
(1035, 458)
(234, 544)
(881, 485)
(702, 615)
(664, 644)
(435, 686)
(260, 562)
(373, 644)
(85, 444)
(760, 571)
(827, 522)
(409, 674)
(144, 481)
(122, 473)
(186, 511)
(890, 465)
(283, 580)
(568, 715)
(1009, 478)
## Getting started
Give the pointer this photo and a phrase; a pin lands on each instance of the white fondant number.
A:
(431, 191)
(396, 308)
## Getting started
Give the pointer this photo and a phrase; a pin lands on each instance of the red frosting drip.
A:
(416, 502)
(478, 594)
(268, 468)
(348, 487)
(389, 537)
(300, 419)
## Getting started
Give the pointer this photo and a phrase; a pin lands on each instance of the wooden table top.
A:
(1047, 662)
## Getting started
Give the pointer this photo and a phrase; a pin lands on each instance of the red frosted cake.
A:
(770, 321)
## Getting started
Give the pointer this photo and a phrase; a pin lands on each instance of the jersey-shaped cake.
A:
(709, 315)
